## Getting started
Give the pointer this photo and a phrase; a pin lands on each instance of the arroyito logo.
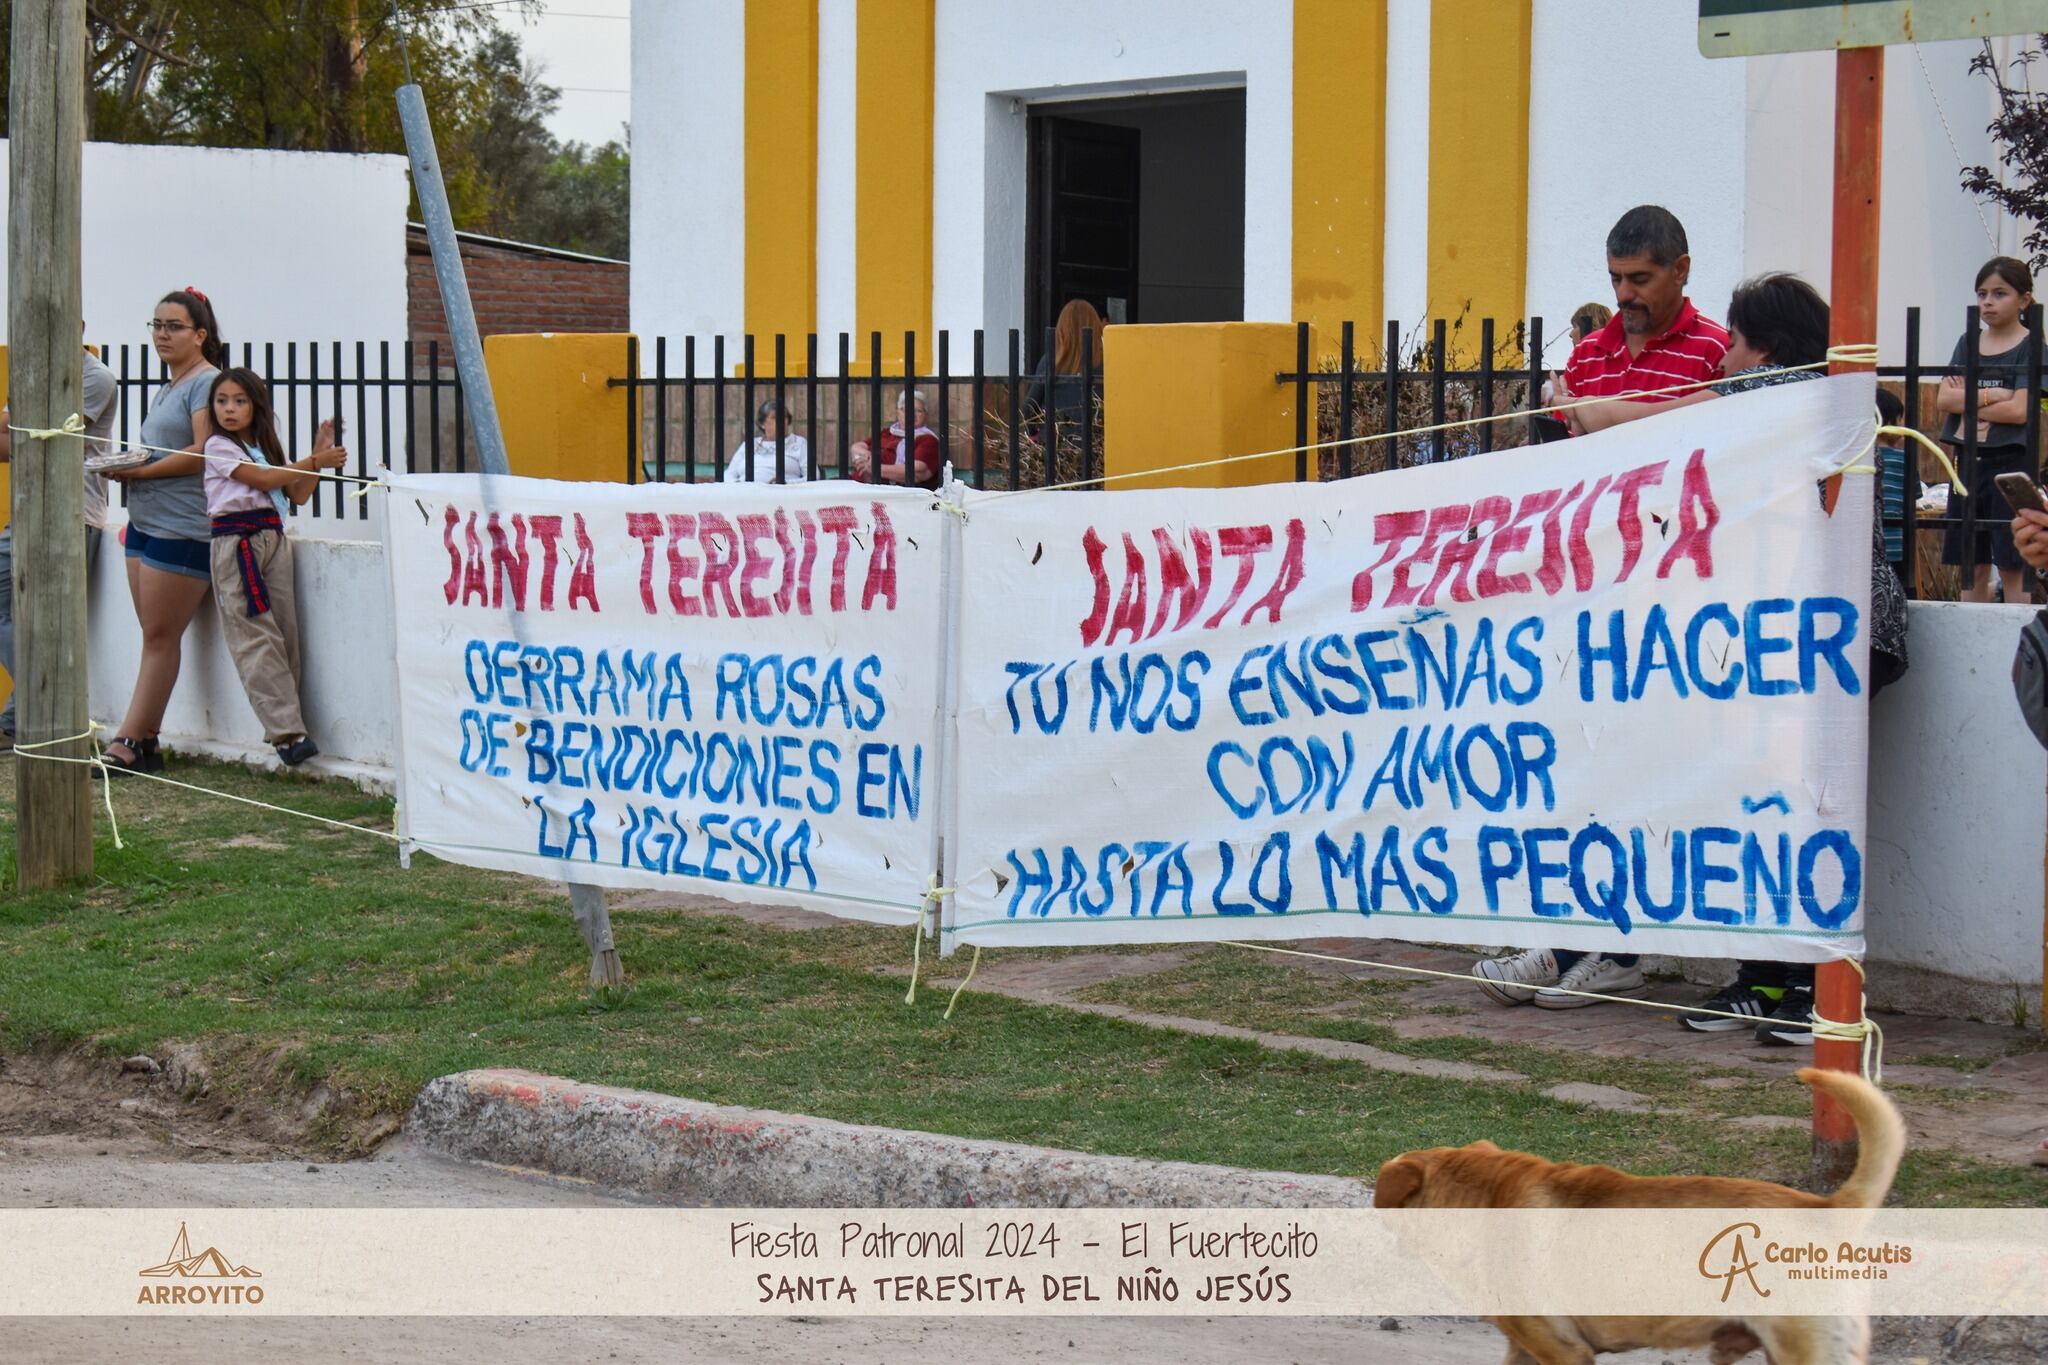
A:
(1727, 1258)
(217, 1280)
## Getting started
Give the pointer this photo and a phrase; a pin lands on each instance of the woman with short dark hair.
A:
(771, 430)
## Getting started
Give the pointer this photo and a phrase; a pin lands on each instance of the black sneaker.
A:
(1748, 1001)
(296, 751)
(1787, 1026)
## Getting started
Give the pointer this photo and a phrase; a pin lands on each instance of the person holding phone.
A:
(2005, 350)
(2030, 537)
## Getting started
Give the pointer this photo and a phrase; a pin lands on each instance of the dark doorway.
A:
(1136, 203)
(1083, 236)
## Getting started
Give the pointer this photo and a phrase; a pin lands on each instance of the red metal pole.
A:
(1859, 141)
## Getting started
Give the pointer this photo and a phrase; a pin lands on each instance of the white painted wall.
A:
(989, 55)
(346, 649)
(838, 92)
(1622, 112)
(1406, 273)
(290, 246)
(1932, 236)
(689, 227)
(1958, 806)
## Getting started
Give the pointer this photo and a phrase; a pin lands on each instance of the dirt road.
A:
(104, 1172)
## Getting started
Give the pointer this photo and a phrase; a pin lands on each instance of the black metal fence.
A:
(400, 407)
(1353, 400)
(691, 409)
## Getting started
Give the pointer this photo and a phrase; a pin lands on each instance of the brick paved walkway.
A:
(1975, 1088)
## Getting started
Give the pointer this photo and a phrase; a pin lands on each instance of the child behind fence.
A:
(246, 472)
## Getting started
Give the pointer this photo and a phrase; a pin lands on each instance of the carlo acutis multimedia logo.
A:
(203, 1279)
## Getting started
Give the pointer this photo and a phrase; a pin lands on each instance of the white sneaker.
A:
(1598, 973)
(1513, 980)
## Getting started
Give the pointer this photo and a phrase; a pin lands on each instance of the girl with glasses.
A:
(169, 536)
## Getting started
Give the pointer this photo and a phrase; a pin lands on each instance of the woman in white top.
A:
(770, 424)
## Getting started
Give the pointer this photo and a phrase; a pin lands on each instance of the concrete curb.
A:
(664, 1147)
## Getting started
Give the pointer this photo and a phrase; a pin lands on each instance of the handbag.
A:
(2030, 675)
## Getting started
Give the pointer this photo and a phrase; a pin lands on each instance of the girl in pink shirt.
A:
(252, 563)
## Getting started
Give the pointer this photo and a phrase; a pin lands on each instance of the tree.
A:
(2021, 134)
(588, 202)
(320, 75)
(503, 135)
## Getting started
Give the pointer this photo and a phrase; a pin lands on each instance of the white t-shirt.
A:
(796, 461)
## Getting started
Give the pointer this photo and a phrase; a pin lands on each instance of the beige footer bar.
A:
(419, 1262)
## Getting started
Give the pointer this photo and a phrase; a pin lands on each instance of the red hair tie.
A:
(193, 290)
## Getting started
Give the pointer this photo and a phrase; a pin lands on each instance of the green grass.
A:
(360, 975)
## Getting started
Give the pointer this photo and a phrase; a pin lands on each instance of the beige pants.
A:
(265, 648)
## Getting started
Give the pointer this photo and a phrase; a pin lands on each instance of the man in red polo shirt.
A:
(1655, 342)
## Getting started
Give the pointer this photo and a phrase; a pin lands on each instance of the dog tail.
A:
(1880, 1134)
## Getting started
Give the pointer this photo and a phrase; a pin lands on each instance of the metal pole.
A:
(53, 810)
(1859, 139)
(473, 380)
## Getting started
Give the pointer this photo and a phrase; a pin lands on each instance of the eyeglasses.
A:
(158, 326)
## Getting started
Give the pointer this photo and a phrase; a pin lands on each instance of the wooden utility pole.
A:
(46, 124)
(1852, 320)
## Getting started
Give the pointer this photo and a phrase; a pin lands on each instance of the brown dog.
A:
(1482, 1176)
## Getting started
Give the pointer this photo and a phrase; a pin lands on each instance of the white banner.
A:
(1603, 694)
(730, 690)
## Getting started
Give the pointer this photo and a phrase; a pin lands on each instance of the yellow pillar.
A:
(782, 172)
(562, 419)
(1340, 165)
(1478, 162)
(1182, 393)
(894, 46)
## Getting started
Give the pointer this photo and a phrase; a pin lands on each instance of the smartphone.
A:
(1550, 428)
(2021, 493)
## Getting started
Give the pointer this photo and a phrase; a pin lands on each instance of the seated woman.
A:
(771, 425)
(927, 452)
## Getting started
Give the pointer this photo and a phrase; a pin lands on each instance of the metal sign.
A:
(1748, 28)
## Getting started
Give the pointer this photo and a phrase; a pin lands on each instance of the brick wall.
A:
(515, 290)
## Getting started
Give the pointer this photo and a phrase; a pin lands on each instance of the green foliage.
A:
(2019, 185)
(321, 75)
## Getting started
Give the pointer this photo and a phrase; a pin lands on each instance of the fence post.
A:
(1438, 414)
(1859, 114)
(1390, 410)
(1909, 516)
(1482, 406)
(1346, 363)
(1301, 402)
(661, 409)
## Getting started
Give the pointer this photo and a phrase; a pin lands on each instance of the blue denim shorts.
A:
(192, 558)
